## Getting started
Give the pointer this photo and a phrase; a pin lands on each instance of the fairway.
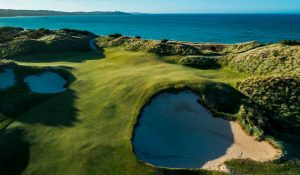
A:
(88, 129)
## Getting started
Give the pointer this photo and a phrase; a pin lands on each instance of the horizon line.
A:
(154, 13)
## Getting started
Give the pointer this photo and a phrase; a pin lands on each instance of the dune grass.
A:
(88, 129)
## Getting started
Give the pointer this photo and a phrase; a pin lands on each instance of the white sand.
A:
(48, 82)
(176, 131)
(244, 147)
(7, 78)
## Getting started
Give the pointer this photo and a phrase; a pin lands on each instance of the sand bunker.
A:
(48, 82)
(7, 78)
(176, 131)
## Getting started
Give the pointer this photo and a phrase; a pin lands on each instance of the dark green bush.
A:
(280, 97)
(17, 42)
(138, 37)
(36, 34)
(81, 33)
(200, 62)
(290, 42)
(116, 35)
(164, 41)
(9, 33)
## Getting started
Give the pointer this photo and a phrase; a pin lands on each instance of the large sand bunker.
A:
(176, 131)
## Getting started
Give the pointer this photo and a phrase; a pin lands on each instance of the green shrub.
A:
(290, 42)
(280, 98)
(251, 167)
(164, 41)
(22, 42)
(138, 37)
(7, 34)
(116, 35)
(252, 119)
(200, 62)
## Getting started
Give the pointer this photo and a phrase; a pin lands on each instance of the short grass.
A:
(88, 129)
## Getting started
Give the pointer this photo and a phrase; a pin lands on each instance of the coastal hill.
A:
(14, 13)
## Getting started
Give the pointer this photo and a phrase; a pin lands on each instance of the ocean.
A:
(229, 28)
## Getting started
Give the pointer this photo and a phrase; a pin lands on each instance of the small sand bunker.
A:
(7, 78)
(47, 82)
(176, 131)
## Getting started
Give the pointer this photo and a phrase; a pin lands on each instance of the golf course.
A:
(74, 103)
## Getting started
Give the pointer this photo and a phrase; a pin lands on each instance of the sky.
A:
(159, 6)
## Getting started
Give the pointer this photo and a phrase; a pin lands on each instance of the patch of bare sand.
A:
(243, 147)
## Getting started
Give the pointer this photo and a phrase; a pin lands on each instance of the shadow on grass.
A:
(57, 110)
(14, 152)
(76, 57)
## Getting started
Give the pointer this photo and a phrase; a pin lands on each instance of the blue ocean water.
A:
(195, 28)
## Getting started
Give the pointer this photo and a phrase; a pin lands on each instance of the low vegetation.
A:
(290, 42)
(17, 41)
(255, 168)
(279, 95)
(200, 62)
(165, 47)
(271, 59)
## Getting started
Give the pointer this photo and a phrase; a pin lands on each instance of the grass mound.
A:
(200, 62)
(279, 95)
(165, 47)
(271, 59)
(17, 41)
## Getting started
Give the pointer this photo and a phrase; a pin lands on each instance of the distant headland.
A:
(14, 13)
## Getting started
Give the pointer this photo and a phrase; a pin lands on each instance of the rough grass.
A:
(166, 47)
(279, 95)
(271, 59)
(254, 168)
